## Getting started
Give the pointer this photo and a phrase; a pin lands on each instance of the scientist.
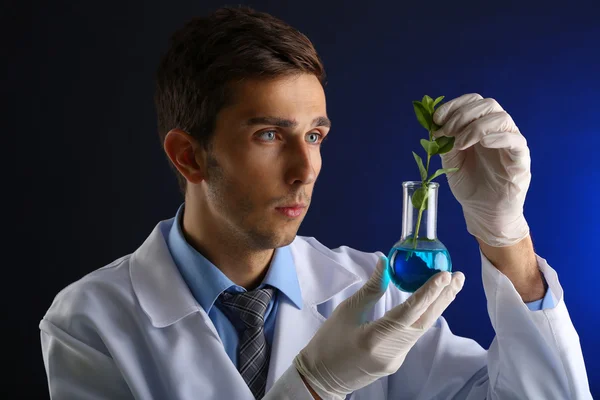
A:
(225, 301)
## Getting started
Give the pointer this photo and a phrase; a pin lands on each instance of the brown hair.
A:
(208, 54)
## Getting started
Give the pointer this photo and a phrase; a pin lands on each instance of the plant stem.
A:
(429, 156)
(424, 184)
(417, 228)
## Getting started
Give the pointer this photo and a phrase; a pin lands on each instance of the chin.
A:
(275, 235)
(272, 239)
(283, 238)
(286, 240)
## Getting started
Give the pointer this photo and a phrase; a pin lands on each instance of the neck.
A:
(245, 266)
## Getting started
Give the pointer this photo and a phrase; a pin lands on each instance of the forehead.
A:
(295, 96)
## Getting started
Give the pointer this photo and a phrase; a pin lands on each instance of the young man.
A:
(225, 301)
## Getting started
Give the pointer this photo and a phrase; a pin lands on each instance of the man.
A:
(225, 301)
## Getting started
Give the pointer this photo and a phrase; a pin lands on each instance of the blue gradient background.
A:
(542, 64)
(80, 84)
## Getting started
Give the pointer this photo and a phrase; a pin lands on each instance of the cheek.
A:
(260, 166)
(255, 172)
(317, 161)
(245, 160)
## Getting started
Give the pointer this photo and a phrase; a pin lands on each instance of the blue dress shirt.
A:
(207, 282)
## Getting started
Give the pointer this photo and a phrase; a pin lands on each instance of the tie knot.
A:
(249, 307)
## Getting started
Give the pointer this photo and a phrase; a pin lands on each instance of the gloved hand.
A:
(494, 163)
(348, 353)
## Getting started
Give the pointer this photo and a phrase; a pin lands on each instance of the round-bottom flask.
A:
(412, 262)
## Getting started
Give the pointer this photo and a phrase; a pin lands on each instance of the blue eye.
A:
(271, 136)
(316, 136)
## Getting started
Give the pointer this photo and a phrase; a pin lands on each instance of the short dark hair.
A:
(209, 54)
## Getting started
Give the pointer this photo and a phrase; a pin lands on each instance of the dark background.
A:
(88, 179)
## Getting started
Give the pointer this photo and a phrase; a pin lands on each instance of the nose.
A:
(301, 166)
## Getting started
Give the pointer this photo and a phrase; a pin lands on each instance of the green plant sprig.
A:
(424, 110)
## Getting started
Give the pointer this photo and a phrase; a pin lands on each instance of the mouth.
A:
(292, 210)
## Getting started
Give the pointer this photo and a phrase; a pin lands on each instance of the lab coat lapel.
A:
(320, 278)
(166, 299)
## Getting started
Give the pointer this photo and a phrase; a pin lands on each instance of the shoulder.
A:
(82, 306)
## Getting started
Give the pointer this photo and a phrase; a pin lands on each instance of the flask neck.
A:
(423, 223)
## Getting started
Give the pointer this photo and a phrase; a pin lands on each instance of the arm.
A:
(536, 353)
(77, 371)
(519, 264)
(533, 352)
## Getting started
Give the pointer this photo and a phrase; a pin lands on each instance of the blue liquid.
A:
(410, 269)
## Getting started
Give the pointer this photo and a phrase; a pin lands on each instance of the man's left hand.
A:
(494, 163)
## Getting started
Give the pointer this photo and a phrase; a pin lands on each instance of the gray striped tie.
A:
(253, 352)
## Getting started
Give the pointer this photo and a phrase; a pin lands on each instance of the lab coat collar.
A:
(163, 294)
(166, 299)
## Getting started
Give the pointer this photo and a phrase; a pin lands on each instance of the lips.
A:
(292, 211)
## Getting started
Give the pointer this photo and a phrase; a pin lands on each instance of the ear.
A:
(183, 151)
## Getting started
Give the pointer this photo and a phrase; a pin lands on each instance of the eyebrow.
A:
(286, 123)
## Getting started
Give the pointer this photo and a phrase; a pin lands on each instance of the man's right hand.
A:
(348, 352)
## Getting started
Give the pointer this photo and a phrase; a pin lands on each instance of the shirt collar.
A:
(207, 282)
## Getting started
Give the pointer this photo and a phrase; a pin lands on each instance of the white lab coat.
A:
(132, 329)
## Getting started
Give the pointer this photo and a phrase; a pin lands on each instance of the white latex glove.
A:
(494, 163)
(348, 353)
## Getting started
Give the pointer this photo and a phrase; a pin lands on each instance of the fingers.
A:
(366, 297)
(471, 118)
(516, 144)
(411, 310)
(436, 309)
(446, 110)
(473, 133)
(465, 114)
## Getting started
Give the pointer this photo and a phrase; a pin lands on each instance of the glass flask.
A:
(412, 263)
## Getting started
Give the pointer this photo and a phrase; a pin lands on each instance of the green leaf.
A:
(428, 103)
(435, 103)
(435, 127)
(440, 172)
(422, 114)
(429, 119)
(430, 147)
(421, 166)
(445, 143)
(419, 198)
